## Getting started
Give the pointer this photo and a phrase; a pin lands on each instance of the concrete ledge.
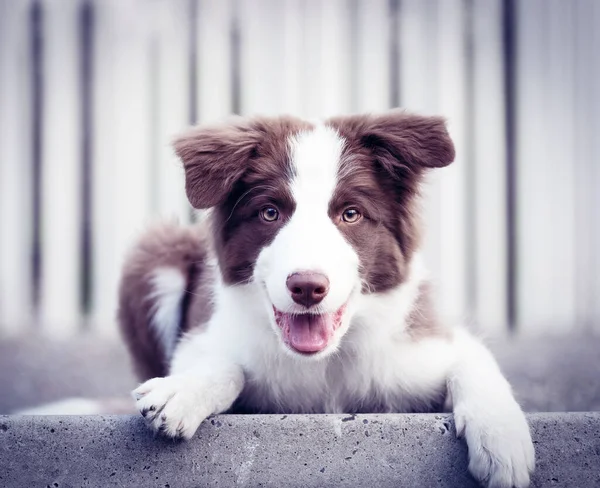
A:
(282, 450)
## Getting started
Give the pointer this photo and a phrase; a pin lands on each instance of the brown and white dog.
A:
(305, 292)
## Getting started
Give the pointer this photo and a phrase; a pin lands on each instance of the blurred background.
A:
(92, 91)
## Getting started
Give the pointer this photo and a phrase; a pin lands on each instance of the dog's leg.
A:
(201, 384)
(501, 452)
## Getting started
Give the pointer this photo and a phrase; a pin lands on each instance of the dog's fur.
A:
(213, 327)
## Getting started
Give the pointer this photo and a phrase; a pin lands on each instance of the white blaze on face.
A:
(310, 241)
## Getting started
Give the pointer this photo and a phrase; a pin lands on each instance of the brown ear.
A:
(400, 140)
(215, 158)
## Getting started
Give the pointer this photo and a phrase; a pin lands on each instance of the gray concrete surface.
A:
(549, 374)
(293, 450)
(36, 370)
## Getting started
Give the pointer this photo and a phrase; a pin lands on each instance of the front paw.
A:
(501, 453)
(174, 406)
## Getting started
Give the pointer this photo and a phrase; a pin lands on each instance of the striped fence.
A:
(91, 92)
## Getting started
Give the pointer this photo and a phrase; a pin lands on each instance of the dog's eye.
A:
(269, 214)
(351, 215)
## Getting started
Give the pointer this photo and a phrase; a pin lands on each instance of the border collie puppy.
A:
(304, 290)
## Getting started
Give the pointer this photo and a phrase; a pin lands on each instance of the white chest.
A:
(391, 377)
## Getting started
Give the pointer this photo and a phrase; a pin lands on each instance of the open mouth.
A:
(308, 333)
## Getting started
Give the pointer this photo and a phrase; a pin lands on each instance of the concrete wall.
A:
(287, 450)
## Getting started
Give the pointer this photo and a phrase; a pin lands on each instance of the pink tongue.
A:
(309, 332)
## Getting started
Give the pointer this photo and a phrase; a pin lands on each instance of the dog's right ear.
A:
(214, 159)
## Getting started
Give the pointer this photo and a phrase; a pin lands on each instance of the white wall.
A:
(156, 65)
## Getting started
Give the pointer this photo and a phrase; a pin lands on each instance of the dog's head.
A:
(314, 215)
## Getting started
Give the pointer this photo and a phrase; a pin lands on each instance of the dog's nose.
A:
(308, 288)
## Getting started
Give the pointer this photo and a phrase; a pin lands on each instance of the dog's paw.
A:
(174, 406)
(501, 453)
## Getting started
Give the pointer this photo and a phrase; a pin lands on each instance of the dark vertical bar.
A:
(193, 67)
(36, 33)
(509, 20)
(394, 11)
(193, 62)
(86, 67)
(235, 60)
(154, 55)
(471, 167)
(353, 44)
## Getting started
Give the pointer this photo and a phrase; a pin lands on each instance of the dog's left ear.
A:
(399, 140)
(215, 158)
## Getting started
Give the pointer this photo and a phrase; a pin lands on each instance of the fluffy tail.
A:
(156, 291)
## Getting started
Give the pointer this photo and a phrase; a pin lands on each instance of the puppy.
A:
(304, 290)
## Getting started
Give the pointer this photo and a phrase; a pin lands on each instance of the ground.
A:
(548, 375)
